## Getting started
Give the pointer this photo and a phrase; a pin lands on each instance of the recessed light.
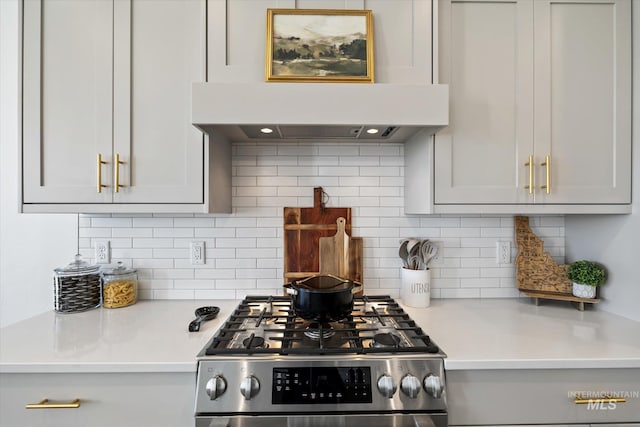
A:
(372, 131)
(266, 130)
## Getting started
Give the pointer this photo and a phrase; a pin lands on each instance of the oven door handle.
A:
(356, 420)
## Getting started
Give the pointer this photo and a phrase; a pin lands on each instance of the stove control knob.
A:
(216, 387)
(386, 386)
(410, 386)
(433, 386)
(249, 387)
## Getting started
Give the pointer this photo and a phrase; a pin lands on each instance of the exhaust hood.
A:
(284, 111)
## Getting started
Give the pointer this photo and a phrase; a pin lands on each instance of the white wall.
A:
(30, 245)
(615, 240)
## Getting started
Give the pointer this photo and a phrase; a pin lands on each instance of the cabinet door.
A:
(67, 83)
(583, 100)
(159, 50)
(485, 57)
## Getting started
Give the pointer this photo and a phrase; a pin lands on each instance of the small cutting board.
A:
(341, 255)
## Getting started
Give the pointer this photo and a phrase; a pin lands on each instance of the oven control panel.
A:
(321, 384)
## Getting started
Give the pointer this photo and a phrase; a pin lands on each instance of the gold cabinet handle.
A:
(579, 400)
(44, 404)
(547, 163)
(99, 171)
(530, 164)
(116, 174)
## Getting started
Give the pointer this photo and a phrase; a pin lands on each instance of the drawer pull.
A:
(44, 404)
(579, 400)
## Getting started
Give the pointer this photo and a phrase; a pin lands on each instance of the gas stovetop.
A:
(268, 325)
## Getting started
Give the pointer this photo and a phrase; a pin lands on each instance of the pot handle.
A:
(289, 289)
(357, 287)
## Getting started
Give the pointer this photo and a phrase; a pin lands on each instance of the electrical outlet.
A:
(438, 259)
(102, 251)
(503, 252)
(197, 253)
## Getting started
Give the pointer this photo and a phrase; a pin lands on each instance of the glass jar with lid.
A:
(76, 287)
(119, 286)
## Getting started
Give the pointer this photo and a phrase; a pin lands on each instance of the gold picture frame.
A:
(319, 45)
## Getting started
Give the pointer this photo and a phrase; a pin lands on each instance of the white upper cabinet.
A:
(402, 37)
(540, 107)
(112, 79)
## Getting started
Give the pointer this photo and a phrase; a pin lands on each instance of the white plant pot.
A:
(584, 291)
(415, 287)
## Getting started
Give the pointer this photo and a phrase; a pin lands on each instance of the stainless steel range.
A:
(265, 366)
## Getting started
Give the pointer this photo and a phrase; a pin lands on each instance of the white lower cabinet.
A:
(106, 399)
(541, 397)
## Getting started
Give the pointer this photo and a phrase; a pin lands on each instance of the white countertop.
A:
(152, 336)
(516, 334)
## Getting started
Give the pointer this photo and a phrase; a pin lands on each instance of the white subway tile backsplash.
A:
(338, 171)
(152, 243)
(111, 222)
(153, 222)
(380, 171)
(131, 232)
(382, 150)
(94, 232)
(244, 249)
(173, 232)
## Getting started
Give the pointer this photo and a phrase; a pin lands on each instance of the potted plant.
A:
(586, 276)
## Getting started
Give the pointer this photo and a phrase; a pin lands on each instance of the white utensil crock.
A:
(415, 287)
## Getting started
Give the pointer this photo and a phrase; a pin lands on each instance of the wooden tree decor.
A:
(535, 269)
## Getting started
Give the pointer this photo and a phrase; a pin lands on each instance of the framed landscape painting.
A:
(319, 45)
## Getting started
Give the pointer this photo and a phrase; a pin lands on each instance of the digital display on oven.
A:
(321, 385)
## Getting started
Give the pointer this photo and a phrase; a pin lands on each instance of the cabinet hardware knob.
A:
(44, 404)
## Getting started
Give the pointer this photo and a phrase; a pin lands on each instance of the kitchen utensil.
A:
(427, 251)
(303, 228)
(323, 297)
(403, 252)
(411, 244)
(414, 254)
(203, 314)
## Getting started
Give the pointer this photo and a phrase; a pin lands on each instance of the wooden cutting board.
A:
(341, 255)
(303, 228)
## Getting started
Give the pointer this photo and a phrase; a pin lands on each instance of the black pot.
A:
(323, 298)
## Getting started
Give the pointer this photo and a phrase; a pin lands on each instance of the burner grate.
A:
(268, 324)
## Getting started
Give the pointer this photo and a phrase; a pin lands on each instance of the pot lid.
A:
(324, 282)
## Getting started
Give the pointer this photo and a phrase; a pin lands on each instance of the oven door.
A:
(321, 420)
